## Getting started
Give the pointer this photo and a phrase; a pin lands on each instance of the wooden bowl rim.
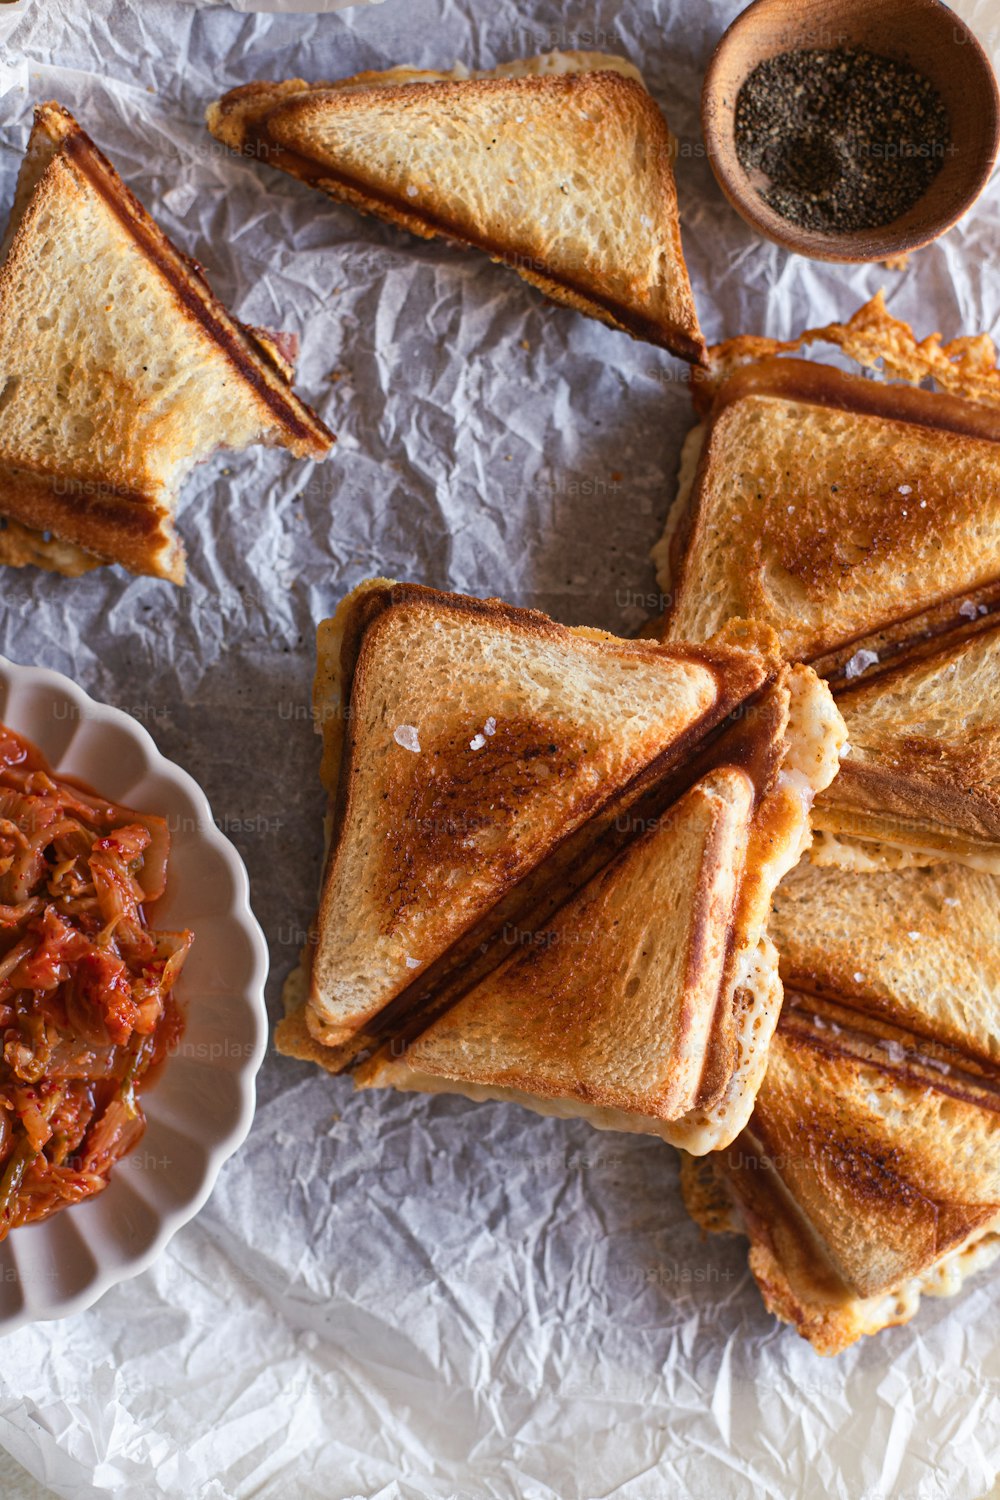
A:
(856, 246)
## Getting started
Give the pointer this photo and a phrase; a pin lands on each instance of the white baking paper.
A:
(391, 1296)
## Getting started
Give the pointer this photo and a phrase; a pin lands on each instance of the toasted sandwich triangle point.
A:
(119, 369)
(560, 166)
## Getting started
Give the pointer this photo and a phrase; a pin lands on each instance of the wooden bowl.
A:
(923, 33)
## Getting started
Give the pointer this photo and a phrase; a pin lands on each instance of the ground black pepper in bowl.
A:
(840, 139)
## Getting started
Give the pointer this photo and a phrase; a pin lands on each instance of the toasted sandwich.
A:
(559, 166)
(551, 859)
(119, 369)
(851, 516)
(869, 1173)
(920, 778)
(861, 520)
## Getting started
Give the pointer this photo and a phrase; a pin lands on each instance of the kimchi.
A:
(86, 1005)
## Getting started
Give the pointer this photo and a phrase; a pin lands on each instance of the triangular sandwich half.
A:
(851, 516)
(560, 166)
(516, 798)
(870, 1171)
(119, 369)
(920, 781)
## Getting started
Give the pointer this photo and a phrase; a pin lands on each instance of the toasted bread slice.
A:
(465, 742)
(922, 777)
(919, 948)
(589, 724)
(647, 1000)
(832, 507)
(562, 169)
(119, 370)
(870, 1171)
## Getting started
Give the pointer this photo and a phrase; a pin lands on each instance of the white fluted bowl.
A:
(200, 1108)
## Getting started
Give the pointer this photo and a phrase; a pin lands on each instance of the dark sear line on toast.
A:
(842, 1026)
(261, 146)
(901, 645)
(815, 384)
(744, 743)
(907, 637)
(186, 279)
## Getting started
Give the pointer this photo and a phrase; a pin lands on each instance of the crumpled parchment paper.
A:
(400, 1296)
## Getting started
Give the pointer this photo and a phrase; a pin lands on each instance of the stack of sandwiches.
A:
(866, 523)
(565, 870)
(551, 857)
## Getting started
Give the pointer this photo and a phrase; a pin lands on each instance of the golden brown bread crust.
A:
(124, 517)
(446, 799)
(582, 1036)
(874, 339)
(247, 119)
(847, 1223)
(252, 359)
(112, 525)
(912, 776)
(871, 1164)
(815, 559)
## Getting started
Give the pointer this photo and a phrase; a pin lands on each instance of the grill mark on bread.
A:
(457, 971)
(200, 304)
(441, 986)
(468, 802)
(913, 638)
(839, 1027)
(808, 381)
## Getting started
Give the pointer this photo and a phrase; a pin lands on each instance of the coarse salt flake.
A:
(407, 736)
(477, 742)
(490, 727)
(860, 662)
